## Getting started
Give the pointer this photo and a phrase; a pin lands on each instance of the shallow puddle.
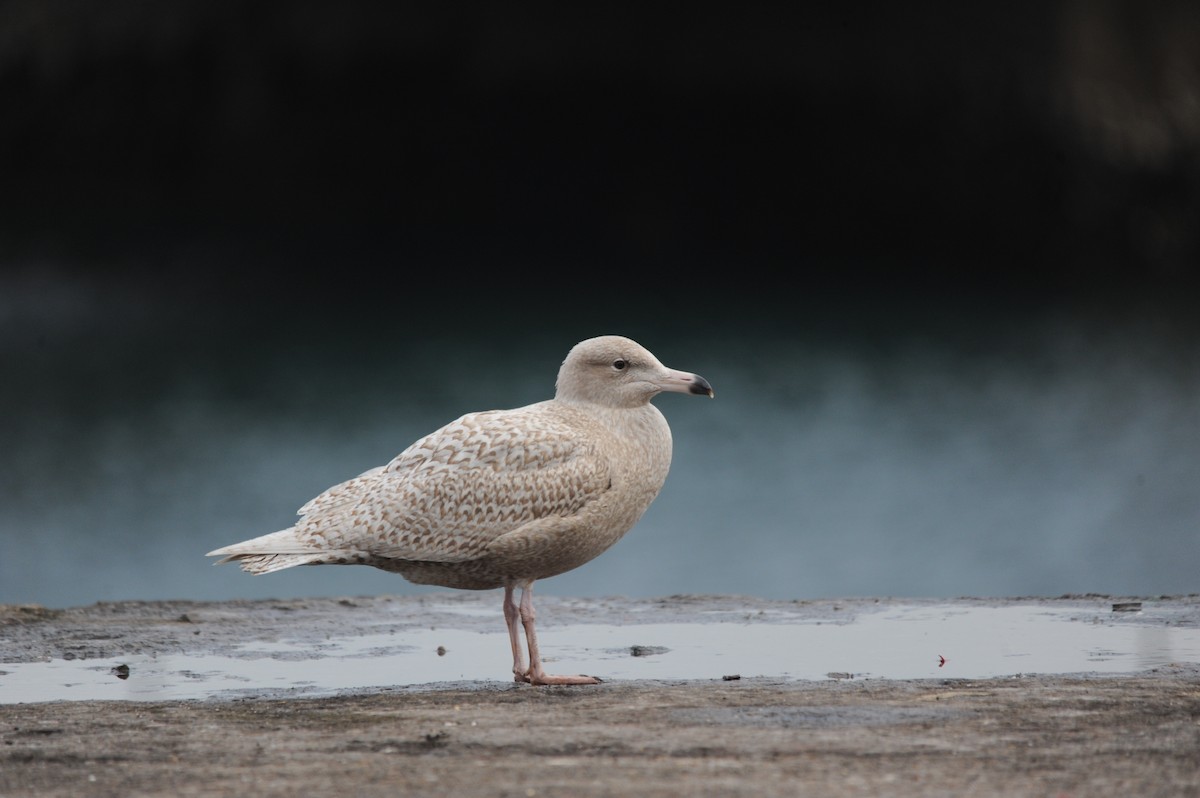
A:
(895, 643)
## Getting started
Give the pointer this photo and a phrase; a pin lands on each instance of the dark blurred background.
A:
(1053, 147)
(217, 215)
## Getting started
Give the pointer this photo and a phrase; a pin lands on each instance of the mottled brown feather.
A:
(501, 497)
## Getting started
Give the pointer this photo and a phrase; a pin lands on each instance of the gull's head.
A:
(615, 371)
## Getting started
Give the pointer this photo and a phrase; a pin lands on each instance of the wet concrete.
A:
(702, 694)
(175, 651)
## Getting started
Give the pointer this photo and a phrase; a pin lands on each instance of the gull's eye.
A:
(619, 364)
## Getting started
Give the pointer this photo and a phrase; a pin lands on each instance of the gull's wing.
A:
(451, 493)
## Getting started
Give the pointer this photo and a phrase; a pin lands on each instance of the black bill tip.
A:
(700, 386)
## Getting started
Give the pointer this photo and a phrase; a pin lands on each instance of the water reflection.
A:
(902, 642)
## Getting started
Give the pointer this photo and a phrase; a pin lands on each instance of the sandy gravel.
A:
(1078, 735)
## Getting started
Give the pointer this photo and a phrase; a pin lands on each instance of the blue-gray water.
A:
(1023, 452)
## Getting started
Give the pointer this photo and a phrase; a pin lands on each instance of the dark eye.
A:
(619, 364)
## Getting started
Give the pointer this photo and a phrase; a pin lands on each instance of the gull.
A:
(502, 498)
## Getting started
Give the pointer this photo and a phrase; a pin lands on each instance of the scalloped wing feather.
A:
(453, 492)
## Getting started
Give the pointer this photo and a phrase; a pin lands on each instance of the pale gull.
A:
(502, 498)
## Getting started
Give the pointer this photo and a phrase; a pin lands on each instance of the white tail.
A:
(274, 552)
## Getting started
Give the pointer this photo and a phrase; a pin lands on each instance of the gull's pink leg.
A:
(536, 674)
(511, 615)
